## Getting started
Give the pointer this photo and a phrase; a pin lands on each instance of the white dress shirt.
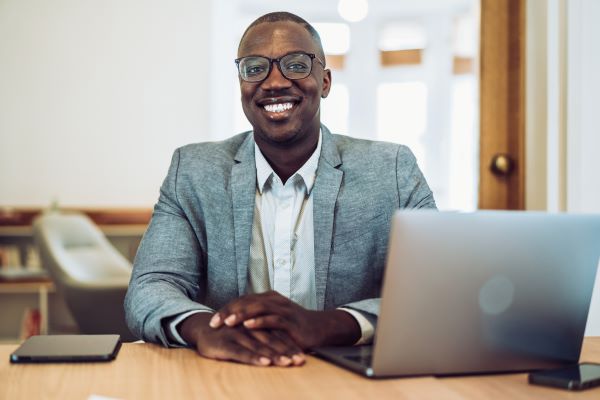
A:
(282, 246)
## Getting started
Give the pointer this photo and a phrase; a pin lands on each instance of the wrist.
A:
(192, 327)
(342, 329)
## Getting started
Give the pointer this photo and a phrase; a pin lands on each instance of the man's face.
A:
(283, 125)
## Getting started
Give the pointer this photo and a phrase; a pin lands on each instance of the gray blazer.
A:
(195, 252)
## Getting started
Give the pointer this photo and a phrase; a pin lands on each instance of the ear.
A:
(326, 83)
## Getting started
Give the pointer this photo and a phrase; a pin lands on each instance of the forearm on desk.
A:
(173, 327)
(151, 300)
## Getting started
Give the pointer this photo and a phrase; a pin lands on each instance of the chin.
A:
(281, 136)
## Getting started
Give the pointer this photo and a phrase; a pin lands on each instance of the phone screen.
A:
(573, 377)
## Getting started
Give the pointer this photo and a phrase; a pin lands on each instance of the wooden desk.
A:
(145, 371)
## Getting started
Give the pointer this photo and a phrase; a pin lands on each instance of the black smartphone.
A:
(574, 377)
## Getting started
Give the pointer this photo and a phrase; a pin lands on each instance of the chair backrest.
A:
(78, 250)
(89, 272)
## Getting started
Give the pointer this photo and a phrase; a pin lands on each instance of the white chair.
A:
(88, 271)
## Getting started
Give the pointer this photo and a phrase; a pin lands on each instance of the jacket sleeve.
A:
(168, 268)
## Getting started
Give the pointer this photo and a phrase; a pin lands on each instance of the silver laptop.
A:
(483, 292)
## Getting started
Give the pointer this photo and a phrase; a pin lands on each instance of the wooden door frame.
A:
(502, 102)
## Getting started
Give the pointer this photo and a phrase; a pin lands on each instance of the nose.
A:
(275, 80)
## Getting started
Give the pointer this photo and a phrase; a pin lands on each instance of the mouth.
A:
(278, 108)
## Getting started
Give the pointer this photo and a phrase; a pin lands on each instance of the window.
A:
(334, 110)
(402, 115)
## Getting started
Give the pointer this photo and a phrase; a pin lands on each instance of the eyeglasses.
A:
(293, 66)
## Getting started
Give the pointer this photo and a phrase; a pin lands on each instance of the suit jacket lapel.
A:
(325, 192)
(243, 191)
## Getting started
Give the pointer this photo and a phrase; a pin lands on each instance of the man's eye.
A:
(254, 70)
(296, 67)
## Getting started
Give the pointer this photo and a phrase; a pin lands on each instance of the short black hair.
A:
(280, 16)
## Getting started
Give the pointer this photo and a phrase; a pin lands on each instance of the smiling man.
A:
(274, 241)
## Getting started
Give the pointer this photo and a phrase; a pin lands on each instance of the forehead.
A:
(273, 39)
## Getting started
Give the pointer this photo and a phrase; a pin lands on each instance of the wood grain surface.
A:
(146, 371)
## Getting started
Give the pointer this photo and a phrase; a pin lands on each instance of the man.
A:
(273, 241)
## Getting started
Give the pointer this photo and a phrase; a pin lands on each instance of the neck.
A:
(286, 159)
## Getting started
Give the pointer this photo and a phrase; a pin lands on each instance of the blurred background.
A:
(494, 97)
(98, 94)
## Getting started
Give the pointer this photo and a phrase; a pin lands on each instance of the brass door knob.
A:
(502, 165)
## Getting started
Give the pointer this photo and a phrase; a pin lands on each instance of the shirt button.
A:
(280, 262)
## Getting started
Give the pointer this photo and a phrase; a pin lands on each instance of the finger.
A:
(227, 314)
(298, 357)
(233, 351)
(285, 349)
(225, 317)
(248, 310)
(220, 318)
(259, 343)
(288, 327)
(250, 306)
(269, 322)
(223, 344)
(216, 320)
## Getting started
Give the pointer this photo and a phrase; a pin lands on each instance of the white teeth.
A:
(280, 107)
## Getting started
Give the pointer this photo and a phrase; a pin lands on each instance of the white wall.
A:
(583, 143)
(96, 94)
(563, 138)
(583, 121)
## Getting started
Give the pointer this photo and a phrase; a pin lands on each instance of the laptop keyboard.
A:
(365, 357)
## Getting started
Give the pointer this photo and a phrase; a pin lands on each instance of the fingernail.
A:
(298, 359)
(249, 323)
(215, 321)
(230, 320)
(264, 361)
(285, 360)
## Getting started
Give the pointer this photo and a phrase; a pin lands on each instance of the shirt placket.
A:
(282, 257)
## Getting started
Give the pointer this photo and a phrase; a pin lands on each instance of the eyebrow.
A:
(283, 55)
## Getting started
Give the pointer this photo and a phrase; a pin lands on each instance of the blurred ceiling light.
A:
(353, 10)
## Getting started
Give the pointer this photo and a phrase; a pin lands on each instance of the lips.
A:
(278, 105)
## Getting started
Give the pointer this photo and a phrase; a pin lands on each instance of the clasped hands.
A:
(267, 329)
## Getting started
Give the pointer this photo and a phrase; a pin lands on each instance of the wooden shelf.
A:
(27, 286)
(15, 216)
(108, 230)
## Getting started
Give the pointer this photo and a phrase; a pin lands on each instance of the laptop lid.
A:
(485, 292)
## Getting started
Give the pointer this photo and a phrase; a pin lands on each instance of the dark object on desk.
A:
(67, 348)
(483, 292)
(575, 377)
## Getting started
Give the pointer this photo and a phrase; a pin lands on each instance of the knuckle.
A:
(212, 352)
(266, 351)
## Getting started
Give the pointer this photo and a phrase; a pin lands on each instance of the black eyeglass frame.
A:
(277, 61)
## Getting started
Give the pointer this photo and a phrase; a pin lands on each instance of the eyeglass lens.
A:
(292, 66)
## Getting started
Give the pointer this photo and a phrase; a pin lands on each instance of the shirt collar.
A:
(307, 172)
